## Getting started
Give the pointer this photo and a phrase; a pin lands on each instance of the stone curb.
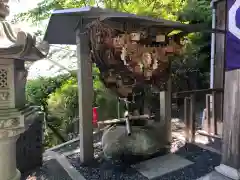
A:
(63, 161)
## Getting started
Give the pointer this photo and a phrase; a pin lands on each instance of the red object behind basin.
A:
(95, 116)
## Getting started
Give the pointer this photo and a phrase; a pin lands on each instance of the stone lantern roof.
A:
(17, 44)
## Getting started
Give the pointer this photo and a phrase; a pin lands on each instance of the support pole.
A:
(219, 58)
(165, 111)
(192, 117)
(186, 117)
(208, 113)
(118, 108)
(214, 118)
(85, 94)
(213, 41)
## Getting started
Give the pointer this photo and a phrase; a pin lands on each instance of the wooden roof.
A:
(62, 23)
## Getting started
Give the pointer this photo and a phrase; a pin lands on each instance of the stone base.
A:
(228, 171)
(159, 166)
(17, 176)
(8, 170)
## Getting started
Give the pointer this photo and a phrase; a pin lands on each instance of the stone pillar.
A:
(8, 168)
(11, 122)
(165, 114)
(85, 85)
(11, 119)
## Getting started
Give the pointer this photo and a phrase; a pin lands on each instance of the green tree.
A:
(37, 93)
(165, 9)
(194, 63)
(38, 90)
(58, 97)
(63, 106)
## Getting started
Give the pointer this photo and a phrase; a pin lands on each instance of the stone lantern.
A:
(16, 47)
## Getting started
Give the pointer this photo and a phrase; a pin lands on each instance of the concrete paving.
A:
(214, 176)
(159, 166)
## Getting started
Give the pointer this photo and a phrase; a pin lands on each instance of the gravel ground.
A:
(105, 170)
(204, 162)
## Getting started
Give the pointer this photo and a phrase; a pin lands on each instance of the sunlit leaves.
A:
(157, 8)
(196, 11)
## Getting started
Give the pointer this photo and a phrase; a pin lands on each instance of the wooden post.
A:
(208, 111)
(192, 118)
(231, 130)
(214, 109)
(231, 123)
(165, 111)
(187, 116)
(230, 164)
(85, 94)
(118, 108)
(169, 110)
(219, 60)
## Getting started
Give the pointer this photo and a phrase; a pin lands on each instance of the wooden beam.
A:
(196, 91)
(204, 133)
(231, 123)
(144, 117)
(85, 93)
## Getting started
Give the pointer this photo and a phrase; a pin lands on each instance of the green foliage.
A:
(63, 106)
(45, 7)
(191, 70)
(59, 98)
(37, 91)
(63, 103)
(196, 11)
(164, 9)
(107, 105)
